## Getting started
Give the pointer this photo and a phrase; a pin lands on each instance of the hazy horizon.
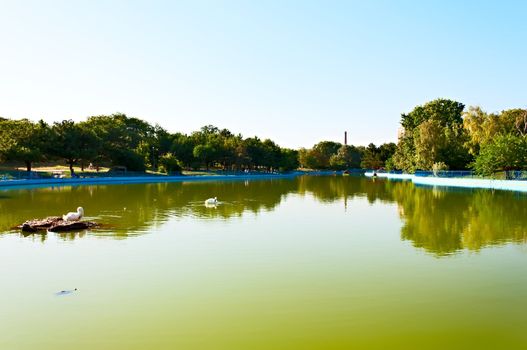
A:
(295, 72)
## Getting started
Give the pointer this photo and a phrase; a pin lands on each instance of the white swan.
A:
(72, 216)
(211, 201)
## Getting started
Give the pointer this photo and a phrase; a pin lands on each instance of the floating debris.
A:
(66, 292)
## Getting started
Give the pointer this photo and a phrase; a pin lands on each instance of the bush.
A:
(505, 152)
(129, 159)
(169, 164)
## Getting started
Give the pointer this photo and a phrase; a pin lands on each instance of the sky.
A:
(297, 72)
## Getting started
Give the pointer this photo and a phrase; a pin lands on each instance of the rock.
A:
(72, 226)
(55, 224)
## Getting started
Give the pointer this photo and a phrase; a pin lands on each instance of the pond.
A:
(306, 263)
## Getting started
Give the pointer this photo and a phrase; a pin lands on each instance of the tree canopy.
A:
(118, 140)
(433, 133)
(439, 134)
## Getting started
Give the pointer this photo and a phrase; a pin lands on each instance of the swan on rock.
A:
(74, 216)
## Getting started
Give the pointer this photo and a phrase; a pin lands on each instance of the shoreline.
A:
(6, 184)
(459, 182)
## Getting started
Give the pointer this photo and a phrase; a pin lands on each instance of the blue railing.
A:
(501, 175)
(386, 171)
(445, 173)
(516, 175)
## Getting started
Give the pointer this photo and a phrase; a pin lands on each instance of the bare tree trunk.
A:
(28, 166)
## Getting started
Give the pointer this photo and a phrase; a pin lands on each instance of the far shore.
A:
(48, 182)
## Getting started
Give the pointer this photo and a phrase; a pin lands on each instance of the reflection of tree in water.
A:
(440, 221)
(126, 209)
(433, 219)
(443, 221)
(333, 188)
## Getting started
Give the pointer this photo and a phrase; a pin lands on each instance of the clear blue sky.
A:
(294, 71)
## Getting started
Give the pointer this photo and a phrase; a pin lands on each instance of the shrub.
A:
(169, 163)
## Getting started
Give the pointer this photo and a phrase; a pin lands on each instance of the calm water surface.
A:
(309, 263)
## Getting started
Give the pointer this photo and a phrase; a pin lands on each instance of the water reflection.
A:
(440, 221)
(129, 209)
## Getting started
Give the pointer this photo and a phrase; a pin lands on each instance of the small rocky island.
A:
(55, 224)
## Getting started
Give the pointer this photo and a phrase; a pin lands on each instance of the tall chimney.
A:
(345, 138)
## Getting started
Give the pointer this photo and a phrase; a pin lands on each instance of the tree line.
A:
(118, 140)
(336, 156)
(442, 134)
(439, 135)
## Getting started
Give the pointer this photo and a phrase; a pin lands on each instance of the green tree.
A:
(371, 158)
(170, 163)
(123, 139)
(347, 157)
(446, 112)
(386, 151)
(182, 147)
(74, 143)
(440, 144)
(288, 159)
(23, 140)
(306, 159)
(323, 151)
(205, 153)
(255, 151)
(426, 129)
(505, 152)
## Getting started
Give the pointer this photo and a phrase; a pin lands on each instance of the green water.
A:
(309, 263)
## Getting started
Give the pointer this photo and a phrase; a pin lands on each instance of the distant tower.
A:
(345, 138)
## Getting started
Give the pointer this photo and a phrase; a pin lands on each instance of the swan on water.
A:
(72, 216)
(212, 201)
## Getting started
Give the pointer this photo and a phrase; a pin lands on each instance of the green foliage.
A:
(433, 133)
(371, 158)
(404, 157)
(121, 136)
(288, 159)
(130, 159)
(482, 127)
(332, 155)
(307, 159)
(347, 157)
(205, 153)
(74, 143)
(170, 163)
(23, 140)
(376, 157)
(436, 133)
(390, 164)
(505, 152)
(445, 112)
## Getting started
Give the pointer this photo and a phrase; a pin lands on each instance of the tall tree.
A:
(347, 157)
(74, 143)
(423, 127)
(504, 152)
(23, 140)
